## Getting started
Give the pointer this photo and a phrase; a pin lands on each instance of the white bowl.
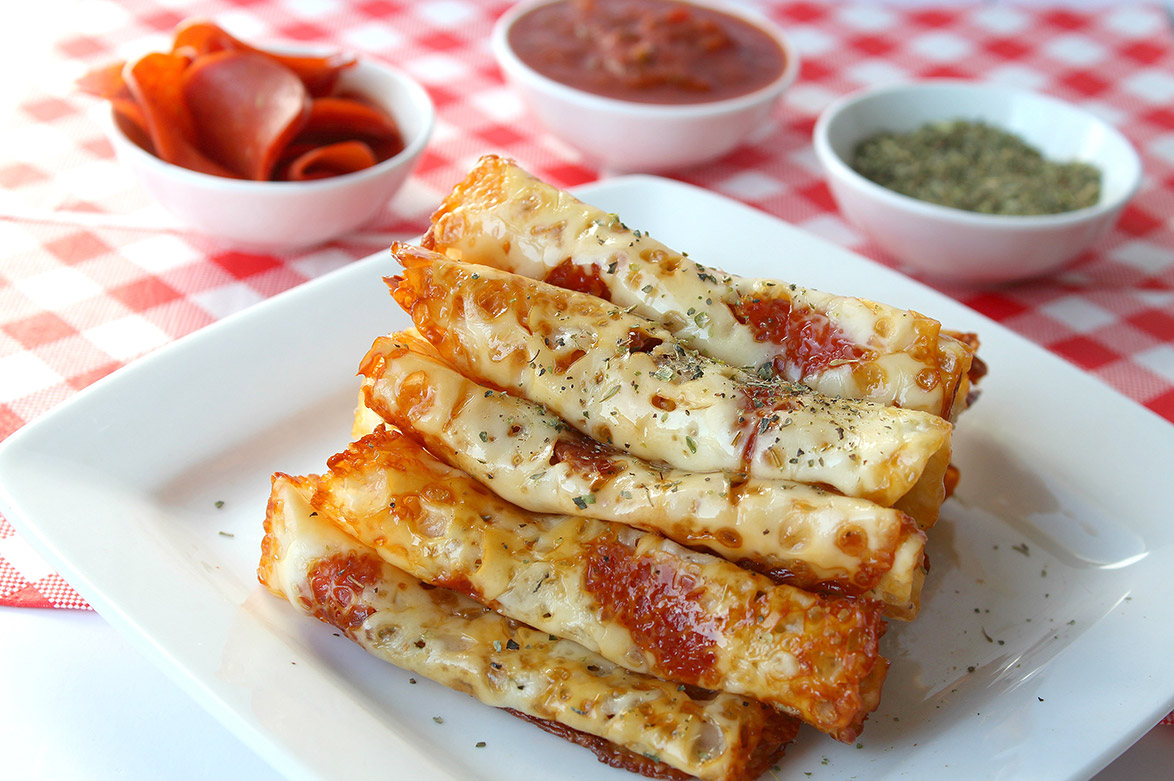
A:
(962, 246)
(625, 136)
(279, 216)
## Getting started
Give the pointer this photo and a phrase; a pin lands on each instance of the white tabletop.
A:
(77, 701)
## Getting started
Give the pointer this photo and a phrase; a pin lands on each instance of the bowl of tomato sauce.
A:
(645, 85)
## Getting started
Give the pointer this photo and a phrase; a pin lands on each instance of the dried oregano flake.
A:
(976, 167)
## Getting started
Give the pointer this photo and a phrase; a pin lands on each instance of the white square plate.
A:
(1042, 650)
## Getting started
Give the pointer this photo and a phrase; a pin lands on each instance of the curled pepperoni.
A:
(245, 108)
(129, 117)
(320, 162)
(334, 120)
(220, 106)
(155, 81)
(349, 116)
(319, 74)
(106, 82)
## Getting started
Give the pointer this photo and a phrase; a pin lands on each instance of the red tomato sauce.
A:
(812, 340)
(647, 51)
(659, 604)
(586, 456)
(336, 585)
(571, 276)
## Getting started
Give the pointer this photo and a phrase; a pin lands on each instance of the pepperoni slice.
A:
(217, 105)
(105, 82)
(320, 162)
(245, 108)
(350, 116)
(155, 81)
(319, 74)
(336, 119)
(197, 37)
(129, 117)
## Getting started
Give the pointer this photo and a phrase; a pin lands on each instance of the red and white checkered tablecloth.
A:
(93, 275)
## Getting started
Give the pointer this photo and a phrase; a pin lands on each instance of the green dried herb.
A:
(664, 373)
(976, 167)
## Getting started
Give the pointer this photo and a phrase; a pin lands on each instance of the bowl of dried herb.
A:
(974, 182)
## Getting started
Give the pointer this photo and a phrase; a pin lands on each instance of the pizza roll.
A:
(637, 599)
(502, 216)
(630, 720)
(797, 534)
(626, 381)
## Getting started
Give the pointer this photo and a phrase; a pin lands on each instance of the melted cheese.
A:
(637, 599)
(799, 534)
(501, 216)
(459, 643)
(626, 381)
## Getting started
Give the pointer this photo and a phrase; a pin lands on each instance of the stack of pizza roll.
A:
(654, 508)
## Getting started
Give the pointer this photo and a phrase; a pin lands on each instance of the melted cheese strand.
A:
(625, 381)
(635, 598)
(502, 216)
(797, 534)
(457, 642)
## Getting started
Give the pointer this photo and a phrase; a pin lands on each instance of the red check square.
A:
(377, 9)
(1144, 52)
(1086, 82)
(996, 306)
(1164, 406)
(79, 381)
(243, 265)
(1137, 221)
(21, 175)
(145, 294)
(9, 423)
(1084, 352)
(163, 21)
(77, 247)
(81, 47)
(442, 41)
(39, 329)
(1064, 19)
(1156, 323)
(48, 109)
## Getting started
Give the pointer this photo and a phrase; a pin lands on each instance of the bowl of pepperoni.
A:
(266, 149)
(645, 85)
